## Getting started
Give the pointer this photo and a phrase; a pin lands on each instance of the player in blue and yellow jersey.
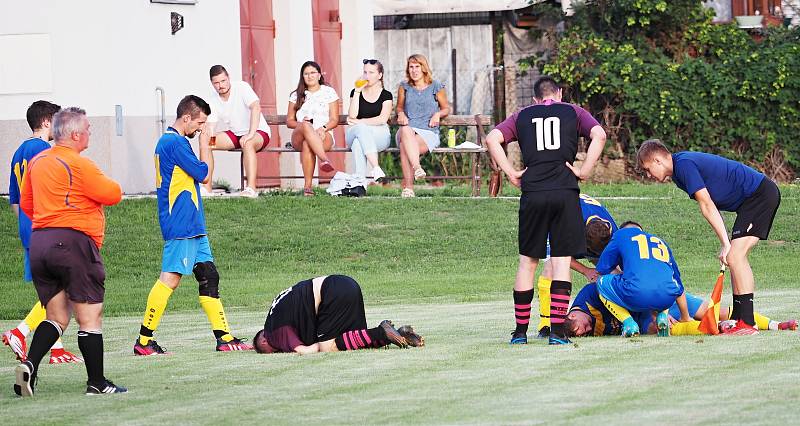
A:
(650, 279)
(40, 117)
(589, 317)
(599, 228)
(180, 214)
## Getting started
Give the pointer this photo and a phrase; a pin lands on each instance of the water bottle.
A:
(451, 138)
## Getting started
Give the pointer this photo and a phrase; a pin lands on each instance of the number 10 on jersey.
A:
(548, 133)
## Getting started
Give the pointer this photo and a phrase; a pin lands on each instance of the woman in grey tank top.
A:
(421, 103)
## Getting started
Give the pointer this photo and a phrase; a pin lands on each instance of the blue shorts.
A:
(632, 296)
(693, 303)
(26, 266)
(181, 255)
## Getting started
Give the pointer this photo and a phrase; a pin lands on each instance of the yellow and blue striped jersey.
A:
(178, 174)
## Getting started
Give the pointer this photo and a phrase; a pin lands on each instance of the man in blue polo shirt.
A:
(717, 183)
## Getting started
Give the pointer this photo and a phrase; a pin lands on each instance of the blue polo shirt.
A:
(728, 182)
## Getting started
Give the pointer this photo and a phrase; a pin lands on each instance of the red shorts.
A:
(235, 139)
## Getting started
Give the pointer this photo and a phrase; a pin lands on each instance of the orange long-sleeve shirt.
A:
(61, 189)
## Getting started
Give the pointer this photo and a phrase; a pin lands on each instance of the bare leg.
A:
(406, 139)
(308, 160)
(59, 310)
(223, 143)
(525, 273)
(249, 151)
(314, 141)
(741, 273)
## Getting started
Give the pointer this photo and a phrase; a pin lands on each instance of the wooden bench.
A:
(477, 121)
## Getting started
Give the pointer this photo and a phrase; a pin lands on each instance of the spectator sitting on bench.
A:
(313, 113)
(243, 127)
(368, 114)
(421, 103)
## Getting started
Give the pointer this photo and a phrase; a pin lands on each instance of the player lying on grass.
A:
(599, 228)
(650, 279)
(588, 317)
(326, 314)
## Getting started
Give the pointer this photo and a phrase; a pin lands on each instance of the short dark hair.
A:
(650, 148)
(598, 234)
(545, 86)
(630, 223)
(216, 70)
(256, 346)
(39, 112)
(193, 105)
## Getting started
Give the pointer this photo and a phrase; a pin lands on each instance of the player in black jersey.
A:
(326, 314)
(548, 133)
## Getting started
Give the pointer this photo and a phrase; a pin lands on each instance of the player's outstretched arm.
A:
(494, 141)
(684, 308)
(589, 273)
(714, 218)
(305, 350)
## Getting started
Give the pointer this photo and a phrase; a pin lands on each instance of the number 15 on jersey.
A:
(548, 133)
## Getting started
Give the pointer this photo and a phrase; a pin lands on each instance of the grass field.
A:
(443, 263)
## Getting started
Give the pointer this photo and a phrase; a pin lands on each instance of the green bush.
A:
(661, 69)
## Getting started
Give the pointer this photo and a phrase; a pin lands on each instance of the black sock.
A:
(91, 345)
(144, 331)
(219, 333)
(46, 335)
(743, 308)
(522, 310)
(560, 292)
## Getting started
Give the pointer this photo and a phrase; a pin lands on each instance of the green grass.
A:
(442, 263)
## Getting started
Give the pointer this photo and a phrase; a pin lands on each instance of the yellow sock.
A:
(216, 316)
(761, 321)
(156, 305)
(619, 312)
(689, 328)
(35, 316)
(544, 301)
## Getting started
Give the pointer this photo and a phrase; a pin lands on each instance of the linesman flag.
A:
(710, 321)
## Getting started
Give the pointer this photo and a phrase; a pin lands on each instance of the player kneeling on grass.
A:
(650, 279)
(326, 314)
(589, 317)
(599, 228)
(183, 226)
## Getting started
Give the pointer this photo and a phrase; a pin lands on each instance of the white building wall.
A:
(106, 53)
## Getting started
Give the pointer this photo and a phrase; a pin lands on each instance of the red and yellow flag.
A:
(710, 321)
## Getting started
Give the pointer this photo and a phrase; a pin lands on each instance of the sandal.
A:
(326, 166)
(407, 193)
(419, 173)
(308, 192)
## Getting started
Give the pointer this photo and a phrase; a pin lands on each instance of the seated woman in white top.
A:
(370, 107)
(421, 103)
(313, 112)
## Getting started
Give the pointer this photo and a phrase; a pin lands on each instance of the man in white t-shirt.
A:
(235, 123)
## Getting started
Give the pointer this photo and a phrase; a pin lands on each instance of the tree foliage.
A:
(657, 68)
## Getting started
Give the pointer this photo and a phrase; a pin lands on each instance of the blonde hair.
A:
(423, 63)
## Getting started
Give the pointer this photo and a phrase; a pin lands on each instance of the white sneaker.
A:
(407, 193)
(378, 174)
(204, 192)
(248, 193)
(419, 173)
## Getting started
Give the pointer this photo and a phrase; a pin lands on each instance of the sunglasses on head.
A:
(370, 61)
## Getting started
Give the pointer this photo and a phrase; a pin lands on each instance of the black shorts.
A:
(63, 259)
(556, 213)
(754, 217)
(341, 308)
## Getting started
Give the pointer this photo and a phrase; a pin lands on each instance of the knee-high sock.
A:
(91, 345)
(762, 321)
(686, 329)
(544, 301)
(559, 304)
(743, 308)
(360, 339)
(212, 306)
(619, 312)
(47, 334)
(156, 305)
(522, 310)
(33, 319)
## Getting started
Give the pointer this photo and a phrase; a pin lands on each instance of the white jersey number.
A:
(548, 133)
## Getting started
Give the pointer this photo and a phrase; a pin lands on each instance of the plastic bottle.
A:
(451, 138)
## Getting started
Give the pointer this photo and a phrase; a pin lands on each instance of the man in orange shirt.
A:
(64, 194)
